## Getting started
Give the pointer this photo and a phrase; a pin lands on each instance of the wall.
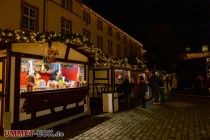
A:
(7, 16)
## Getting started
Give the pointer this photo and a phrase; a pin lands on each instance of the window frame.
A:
(64, 4)
(125, 51)
(118, 51)
(86, 33)
(35, 18)
(86, 17)
(110, 47)
(109, 31)
(125, 40)
(65, 30)
(118, 35)
(99, 24)
(100, 42)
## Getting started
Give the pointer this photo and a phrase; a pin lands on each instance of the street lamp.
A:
(205, 48)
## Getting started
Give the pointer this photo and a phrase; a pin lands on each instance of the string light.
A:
(8, 36)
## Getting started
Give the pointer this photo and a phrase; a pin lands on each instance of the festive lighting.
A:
(19, 36)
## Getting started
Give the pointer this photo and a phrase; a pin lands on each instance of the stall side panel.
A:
(101, 80)
(12, 90)
(2, 99)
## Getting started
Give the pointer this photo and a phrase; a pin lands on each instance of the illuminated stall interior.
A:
(51, 76)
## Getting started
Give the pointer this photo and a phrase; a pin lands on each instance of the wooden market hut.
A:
(26, 107)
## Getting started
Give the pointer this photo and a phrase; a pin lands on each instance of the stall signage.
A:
(197, 55)
(51, 54)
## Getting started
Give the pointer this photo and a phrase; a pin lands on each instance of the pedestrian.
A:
(173, 84)
(166, 86)
(169, 83)
(161, 85)
(143, 88)
(126, 88)
(154, 83)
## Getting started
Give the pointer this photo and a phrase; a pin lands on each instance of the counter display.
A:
(42, 100)
(35, 75)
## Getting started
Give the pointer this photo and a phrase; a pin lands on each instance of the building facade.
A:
(65, 16)
(68, 16)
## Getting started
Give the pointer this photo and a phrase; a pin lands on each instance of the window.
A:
(139, 51)
(125, 39)
(130, 43)
(66, 26)
(118, 51)
(135, 51)
(86, 17)
(109, 31)
(67, 4)
(80, 1)
(125, 52)
(118, 36)
(100, 42)
(29, 18)
(131, 48)
(100, 25)
(86, 34)
(110, 51)
(131, 51)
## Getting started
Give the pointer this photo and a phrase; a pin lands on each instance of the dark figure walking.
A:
(155, 86)
(126, 88)
(143, 89)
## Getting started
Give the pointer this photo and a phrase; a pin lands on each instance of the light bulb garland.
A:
(20, 36)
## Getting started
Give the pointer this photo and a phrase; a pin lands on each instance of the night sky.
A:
(164, 27)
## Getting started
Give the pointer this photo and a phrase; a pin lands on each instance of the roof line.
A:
(105, 20)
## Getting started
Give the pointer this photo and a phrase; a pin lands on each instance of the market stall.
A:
(104, 81)
(44, 83)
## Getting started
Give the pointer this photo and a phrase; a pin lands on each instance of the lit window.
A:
(86, 17)
(109, 31)
(125, 52)
(67, 4)
(100, 25)
(29, 17)
(86, 34)
(100, 42)
(110, 48)
(118, 36)
(118, 51)
(125, 40)
(66, 26)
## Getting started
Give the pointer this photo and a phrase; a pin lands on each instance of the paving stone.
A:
(181, 118)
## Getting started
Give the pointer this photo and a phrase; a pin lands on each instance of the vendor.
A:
(30, 83)
(59, 76)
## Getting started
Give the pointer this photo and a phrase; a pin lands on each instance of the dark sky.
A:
(187, 20)
(164, 27)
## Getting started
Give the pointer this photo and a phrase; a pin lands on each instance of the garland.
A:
(20, 36)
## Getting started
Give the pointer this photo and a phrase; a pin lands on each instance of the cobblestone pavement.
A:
(180, 118)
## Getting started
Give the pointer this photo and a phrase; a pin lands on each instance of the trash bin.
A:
(110, 102)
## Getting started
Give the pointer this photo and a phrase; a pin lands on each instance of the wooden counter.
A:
(49, 99)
